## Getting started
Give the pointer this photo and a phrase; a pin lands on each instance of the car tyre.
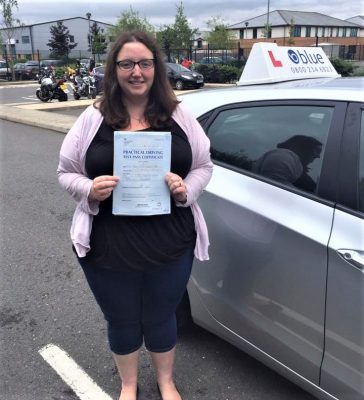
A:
(179, 85)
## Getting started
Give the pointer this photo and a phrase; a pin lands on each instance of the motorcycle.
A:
(51, 88)
(84, 86)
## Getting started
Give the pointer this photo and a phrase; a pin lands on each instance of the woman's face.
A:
(137, 82)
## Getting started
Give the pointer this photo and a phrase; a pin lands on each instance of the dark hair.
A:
(162, 100)
(306, 147)
(300, 143)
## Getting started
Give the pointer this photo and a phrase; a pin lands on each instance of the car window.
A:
(283, 143)
(361, 165)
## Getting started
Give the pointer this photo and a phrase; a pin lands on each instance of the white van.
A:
(5, 71)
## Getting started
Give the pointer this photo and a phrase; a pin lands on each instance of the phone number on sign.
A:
(300, 70)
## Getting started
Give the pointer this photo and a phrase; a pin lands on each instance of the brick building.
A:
(341, 38)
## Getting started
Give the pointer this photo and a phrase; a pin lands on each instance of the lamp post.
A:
(268, 22)
(246, 29)
(88, 15)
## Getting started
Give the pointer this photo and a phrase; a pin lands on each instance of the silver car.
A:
(285, 212)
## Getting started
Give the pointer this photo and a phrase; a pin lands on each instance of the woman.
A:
(137, 267)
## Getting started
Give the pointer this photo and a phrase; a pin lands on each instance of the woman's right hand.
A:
(102, 187)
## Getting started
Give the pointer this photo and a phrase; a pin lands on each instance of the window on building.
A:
(344, 32)
(308, 31)
(297, 31)
(25, 39)
(353, 32)
(255, 33)
(323, 31)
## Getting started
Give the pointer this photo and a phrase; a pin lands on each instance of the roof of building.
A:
(285, 17)
(359, 20)
(60, 20)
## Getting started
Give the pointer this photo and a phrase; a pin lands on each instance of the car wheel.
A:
(179, 85)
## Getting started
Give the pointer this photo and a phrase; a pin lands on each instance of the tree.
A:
(98, 40)
(267, 31)
(183, 32)
(219, 37)
(9, 24)
(291, 32)
(60, 43)
(131, 21)
(179, 35)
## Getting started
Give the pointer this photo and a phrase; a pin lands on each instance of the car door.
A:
(270, 213)
(171, 75)
(343, 364)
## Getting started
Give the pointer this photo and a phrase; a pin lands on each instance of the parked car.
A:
(285, 213)
(32, 68)
(5, 71)
(20, 72)
(211, 60)
(54, 63)
(182, 78)
(98, 73)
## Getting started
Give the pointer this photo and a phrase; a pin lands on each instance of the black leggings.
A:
(139, 304)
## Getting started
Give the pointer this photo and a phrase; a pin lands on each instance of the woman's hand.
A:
(176, 187)
(102, 187)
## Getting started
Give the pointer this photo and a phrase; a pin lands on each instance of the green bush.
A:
(345, 68)
(218, 73)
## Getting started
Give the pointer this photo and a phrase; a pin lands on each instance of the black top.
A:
(138, 242)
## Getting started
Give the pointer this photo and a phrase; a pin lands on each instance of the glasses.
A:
(129, 65)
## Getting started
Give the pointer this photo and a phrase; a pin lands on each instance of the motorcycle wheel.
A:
(76, 96)
(93, 93)
(40, 96)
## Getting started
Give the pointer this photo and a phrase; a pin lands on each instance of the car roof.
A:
(338, 89)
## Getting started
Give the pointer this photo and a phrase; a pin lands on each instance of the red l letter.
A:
(276, 63)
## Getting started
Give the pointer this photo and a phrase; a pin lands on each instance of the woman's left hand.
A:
(176, 187)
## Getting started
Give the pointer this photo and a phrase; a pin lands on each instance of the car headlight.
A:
(186, 76)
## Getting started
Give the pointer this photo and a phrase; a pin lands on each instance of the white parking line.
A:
(75, 377)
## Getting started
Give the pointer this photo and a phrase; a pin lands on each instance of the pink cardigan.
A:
(72, 175)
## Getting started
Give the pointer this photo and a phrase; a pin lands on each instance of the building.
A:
(30, 41)
(300, 28)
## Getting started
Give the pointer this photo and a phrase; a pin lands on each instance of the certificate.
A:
(141, 161)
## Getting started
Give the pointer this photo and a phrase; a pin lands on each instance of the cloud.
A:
(163, 12)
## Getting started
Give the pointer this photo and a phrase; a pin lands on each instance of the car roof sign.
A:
(269, 63)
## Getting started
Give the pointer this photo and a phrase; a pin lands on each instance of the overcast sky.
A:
(161, 12)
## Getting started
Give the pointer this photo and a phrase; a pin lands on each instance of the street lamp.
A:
(268, 30)
(246, 29)
(88, 15)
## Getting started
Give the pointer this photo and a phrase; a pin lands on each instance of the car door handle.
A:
(354, 257)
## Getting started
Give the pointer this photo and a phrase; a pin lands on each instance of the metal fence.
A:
(13, 57)
(344, 52)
